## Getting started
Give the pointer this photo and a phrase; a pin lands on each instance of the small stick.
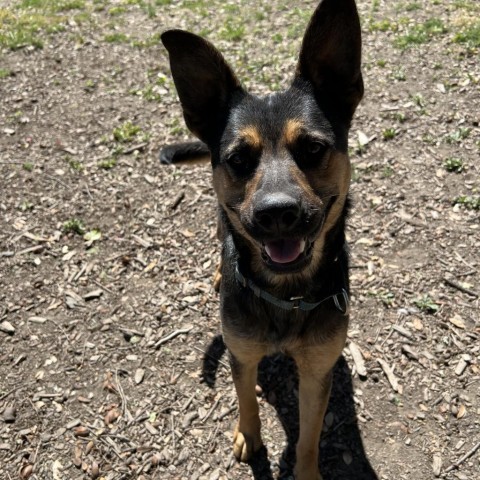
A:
(14, 389)
(462, 459)
(173, 431)
(125, 409)
(139, 146)
(459, 287)
(214, 406)
(174, 334)
(56, 180)
(358, 359)
(390, 375)
(36, 248)
(177, 200)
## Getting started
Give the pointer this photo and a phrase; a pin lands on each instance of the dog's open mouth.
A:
(286, 254)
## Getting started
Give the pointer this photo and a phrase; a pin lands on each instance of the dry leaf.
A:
(77, 456)
(95, 470)
(81, 431)
(112, 416)
(89, 447)
(187, 233)
(108, 384)
(461, 411)
(457, 320)
(26, 471)
(417, 324)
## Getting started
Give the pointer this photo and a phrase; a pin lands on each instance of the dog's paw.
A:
(245, 445)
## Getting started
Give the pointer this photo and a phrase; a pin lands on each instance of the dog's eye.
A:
(316, 148)
(311, 153)
(235, 160)
(242, 163)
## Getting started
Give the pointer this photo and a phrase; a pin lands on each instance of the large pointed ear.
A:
(330, 56)
(205, 82)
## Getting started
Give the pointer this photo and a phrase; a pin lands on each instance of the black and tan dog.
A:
(281, 174)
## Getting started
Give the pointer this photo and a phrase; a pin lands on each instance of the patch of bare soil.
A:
(111, 360)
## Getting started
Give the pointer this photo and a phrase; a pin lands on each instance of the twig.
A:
(461, 288)
(462, 459)
(103, 287)
(177, 200)
(214, 406)
(139, 146)
(56, 180)
(173, 431)
(390, 375)
(125, 409)
(14, 389)
(174, 334)
(12, 163)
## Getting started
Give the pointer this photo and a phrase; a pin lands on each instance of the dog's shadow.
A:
(342, 454)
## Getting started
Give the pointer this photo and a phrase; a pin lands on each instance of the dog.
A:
(281, 174)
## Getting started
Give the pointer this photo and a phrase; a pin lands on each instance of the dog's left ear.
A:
(330, 56)
(205, 82)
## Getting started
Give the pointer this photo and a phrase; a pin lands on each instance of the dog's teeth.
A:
(302, 246)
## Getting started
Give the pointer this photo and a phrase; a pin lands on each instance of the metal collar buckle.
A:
(296, 302)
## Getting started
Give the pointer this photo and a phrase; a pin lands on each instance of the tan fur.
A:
(251, 135)
(291, 131)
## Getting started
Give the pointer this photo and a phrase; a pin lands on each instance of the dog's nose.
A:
(277, 213)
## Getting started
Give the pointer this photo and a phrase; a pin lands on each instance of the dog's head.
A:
(280, 165)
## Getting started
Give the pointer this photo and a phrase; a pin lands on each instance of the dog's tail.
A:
(184, 152)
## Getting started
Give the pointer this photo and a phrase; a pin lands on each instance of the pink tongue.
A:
(284, 251)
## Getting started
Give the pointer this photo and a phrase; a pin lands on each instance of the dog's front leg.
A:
(315, 366)
(244, 365)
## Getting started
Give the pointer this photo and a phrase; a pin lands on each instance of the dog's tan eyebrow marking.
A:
(251, 135)
(292, 130)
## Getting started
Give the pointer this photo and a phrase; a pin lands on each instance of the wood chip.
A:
(40, 320)
(437, 464)
(358, 359)
(93, 294)
(139, 375)
(73, 424)
(462, 365)
(189, 418)
(73, 300)
(390, 375)
(410, 352)
(151, 429)
(403, 331)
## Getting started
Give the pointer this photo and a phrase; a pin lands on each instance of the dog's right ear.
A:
(205, 82)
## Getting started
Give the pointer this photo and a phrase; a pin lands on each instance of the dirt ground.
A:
(111, 360)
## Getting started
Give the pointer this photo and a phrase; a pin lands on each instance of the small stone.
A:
(7, 327)
(9, 414)
(139, 375)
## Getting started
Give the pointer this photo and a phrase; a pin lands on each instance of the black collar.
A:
(340, 299)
